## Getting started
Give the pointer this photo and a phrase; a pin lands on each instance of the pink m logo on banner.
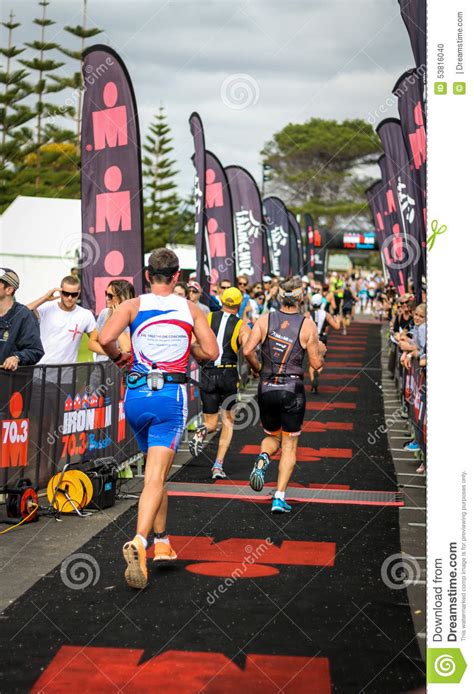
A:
(113, 209)
(110, 124)
(214, 192)
(418, 138)
(114, 264)
(217, 240)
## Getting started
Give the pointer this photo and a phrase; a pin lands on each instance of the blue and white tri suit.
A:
(161, 339)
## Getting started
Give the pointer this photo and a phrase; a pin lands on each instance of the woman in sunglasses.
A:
(117, 292)
(403, 322)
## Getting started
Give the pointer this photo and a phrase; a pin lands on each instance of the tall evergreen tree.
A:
(75, 82)
(44, 66)
(161, 200)
(13, 113)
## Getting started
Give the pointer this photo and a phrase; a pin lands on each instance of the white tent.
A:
(40, 238)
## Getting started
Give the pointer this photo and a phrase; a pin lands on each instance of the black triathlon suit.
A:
(281, 395)
(220, 378)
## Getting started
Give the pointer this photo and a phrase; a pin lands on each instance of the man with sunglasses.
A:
(62, 322)
(215, 302)
(194, 295)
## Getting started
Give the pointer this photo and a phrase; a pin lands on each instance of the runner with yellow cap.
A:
(219, 378)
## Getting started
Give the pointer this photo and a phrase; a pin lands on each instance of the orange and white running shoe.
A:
(136, 573)
(164, 552)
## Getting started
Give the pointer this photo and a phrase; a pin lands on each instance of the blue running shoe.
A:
(412, 446)
(280, 506)
(257, 476)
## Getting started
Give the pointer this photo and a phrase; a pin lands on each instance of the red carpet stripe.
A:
(304, 453)
(272, 485)
(339, 376)
(315, 426)
(334, 389)
(110, 670)
(341, 364)
(290, 552)
(328, 406)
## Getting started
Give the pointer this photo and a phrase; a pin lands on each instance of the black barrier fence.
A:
(53, 415)
(411, 385)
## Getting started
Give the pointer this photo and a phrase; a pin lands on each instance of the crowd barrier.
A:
(54, 415)
(411, 386)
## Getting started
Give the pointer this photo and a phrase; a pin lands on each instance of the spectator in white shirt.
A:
(63, 322)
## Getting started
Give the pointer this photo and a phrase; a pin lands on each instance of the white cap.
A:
(305, 278)
(317, 299)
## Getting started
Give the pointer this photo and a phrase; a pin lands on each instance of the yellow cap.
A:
(232, 297)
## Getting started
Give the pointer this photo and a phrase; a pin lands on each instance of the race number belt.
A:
(154, 379)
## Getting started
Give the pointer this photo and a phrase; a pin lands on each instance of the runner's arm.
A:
(333, 321)
(49, 296)
(244, 336)
(120, 319)
(256, 337)
(205, 348)
(313, 346)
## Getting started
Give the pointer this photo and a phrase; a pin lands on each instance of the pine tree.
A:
(76, 82)
(161, 203)
(45, 65)
(13, 113)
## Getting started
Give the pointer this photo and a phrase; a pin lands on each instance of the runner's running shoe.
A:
(218, 473)
(257, 476)
(197, 442)
(136, 573)
(412, 446)
(280, 506)
(164, 552)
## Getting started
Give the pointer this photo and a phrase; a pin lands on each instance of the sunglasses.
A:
(110, 296)
(227, 286)
(194, 291)
(73, 295)
(404, 303)
(243, 284)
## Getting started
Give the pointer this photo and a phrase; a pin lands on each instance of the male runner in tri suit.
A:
(285, 335)
(219, 378)
(161, 328)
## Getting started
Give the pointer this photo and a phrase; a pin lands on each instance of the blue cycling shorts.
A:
(157, 417)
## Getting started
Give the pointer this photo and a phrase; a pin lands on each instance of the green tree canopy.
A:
(320, 166)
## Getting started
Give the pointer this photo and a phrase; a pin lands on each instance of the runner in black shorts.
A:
(285, 336)
(348, 301)
(220, 378)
